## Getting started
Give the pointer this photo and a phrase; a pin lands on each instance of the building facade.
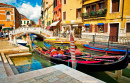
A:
(106, 18)
(46, 5)
(9, 17)
(71, 14)
(57, 17)
(25, 22)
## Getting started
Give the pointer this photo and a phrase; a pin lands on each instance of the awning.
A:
(48, 27)
(4, 29)
(87, 24)
(100, 23)
(55, 23)
(74, 25)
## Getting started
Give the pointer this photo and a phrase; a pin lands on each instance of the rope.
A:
(68, 62)
(75, 65)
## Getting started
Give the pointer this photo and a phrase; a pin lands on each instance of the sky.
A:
(30, 8)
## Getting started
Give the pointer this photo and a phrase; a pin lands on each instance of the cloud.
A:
(30, 11)
(8, 1)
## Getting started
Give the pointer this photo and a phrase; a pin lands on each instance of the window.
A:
(87, 28)
(78, 13)
(87, 9)
(115, 5)
(27, 22)
(64, 15)
(24, 22)
(60, 13)
(93, 7)
(8, 16)
(100, 28)
(101, 5)
(64, 1)
(127, 27)
(59, 1)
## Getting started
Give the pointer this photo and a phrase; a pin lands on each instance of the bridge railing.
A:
(37, 30)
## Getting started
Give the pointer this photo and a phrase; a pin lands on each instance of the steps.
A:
(2, 70)
(20, 54)
(7, 67)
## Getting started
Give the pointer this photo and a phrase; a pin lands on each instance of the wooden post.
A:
(118, 74)
(72, 49)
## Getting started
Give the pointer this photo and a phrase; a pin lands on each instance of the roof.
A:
(25, 19)
(3, 4)
(23, 16)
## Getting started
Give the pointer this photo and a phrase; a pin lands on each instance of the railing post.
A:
(93, 40)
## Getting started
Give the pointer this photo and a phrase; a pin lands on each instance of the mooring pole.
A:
(72, 48)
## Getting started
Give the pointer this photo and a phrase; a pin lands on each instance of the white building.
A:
(25, 22)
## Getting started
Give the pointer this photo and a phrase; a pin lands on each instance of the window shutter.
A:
(113, 6)
(76, 13)
(105, 5)
(117, 5)
(96, 28)
(64, 1)
(97, 7)
(90, 28)
(105, 27)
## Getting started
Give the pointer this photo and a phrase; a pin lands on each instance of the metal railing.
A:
(94, 14)
(36, 30)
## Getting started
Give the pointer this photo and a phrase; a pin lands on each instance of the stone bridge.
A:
(14, 34)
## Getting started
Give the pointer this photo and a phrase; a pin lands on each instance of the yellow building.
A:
(106, 17)
(46, 8)
(71, 14)
(9, 17)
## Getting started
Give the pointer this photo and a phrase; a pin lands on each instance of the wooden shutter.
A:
(113, 6)
(97, 6)
(64, 1)
(117, 6)
(64, 16)
(105, 5)
(96, 28)
(76, 13)
(90, 28)
(105, 27)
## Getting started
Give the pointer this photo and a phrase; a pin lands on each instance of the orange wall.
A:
(9, 23)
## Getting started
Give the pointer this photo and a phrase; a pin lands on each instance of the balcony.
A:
(95, 14)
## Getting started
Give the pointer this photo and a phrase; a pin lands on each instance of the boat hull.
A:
(111, 52)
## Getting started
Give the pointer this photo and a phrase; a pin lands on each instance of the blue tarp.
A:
(100, 23)
(87, 24)
(47, 45)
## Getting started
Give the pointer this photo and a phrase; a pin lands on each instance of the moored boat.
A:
(112, 51)
(84, 65)
(21, 42)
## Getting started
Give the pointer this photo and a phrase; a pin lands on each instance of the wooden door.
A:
(113, 32)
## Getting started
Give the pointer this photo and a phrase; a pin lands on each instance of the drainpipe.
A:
(14, 18)
(122, 11)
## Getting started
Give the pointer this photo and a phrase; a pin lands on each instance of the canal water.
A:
(29, 63)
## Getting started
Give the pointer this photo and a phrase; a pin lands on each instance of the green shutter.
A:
(42, 22)
(24, 22)
(21, 22)
(52, 21)
(49, 22)
(27, 22)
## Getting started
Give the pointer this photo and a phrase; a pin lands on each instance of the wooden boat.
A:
(112, 51)
(57, 41)
(88, 65)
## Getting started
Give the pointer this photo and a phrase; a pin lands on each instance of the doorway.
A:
(114, 32)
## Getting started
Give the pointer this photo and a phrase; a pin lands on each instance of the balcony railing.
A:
(95, 14)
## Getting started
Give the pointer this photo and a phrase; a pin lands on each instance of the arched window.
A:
(8, 16)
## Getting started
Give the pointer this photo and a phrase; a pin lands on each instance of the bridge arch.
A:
(36, 30)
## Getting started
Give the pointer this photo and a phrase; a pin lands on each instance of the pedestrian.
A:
(2, 35)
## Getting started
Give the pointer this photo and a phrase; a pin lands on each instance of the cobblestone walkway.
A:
(53, 77)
